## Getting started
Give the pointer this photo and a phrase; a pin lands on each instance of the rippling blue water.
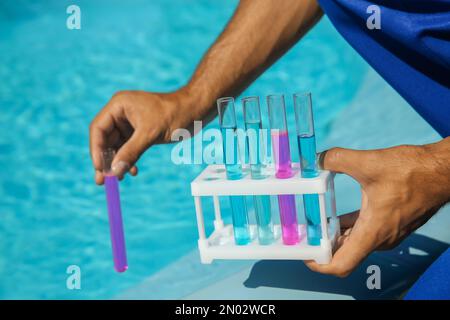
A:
(53, 82)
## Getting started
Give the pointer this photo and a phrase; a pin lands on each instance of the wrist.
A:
(185, 106)
(195, 101)
(440, 161)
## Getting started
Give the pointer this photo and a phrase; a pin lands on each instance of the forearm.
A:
(440, 155)
(257, 35)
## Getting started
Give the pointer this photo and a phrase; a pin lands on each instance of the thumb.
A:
(130, 152)
(352, 249)
(342, 160)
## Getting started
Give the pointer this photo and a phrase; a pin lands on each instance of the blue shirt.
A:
(410, 50)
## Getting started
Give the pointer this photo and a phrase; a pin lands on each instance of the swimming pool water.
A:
(54, 81)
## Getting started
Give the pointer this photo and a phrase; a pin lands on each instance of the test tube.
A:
(253, 124)
(227, 120)
(114, 213)
(307, 150)
(282, 158)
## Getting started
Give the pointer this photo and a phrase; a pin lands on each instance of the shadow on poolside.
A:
(400, 268)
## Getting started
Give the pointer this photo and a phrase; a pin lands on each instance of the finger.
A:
(359, 243)
(97, 145)
(98, 137)
(134, 171)
(130, 152)
(99, 178)
(342, 238)
(123, 125)
(348, 220)
(343, 160)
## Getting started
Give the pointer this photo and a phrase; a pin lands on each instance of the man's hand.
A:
(131, 122)
(134, 120)
(402, 187)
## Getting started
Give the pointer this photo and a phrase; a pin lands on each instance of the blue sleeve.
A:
(410, 50)
(434, 284)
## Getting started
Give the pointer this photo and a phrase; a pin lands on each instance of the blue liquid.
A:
(254, 149)
(312, 211)
(231, 154)
(234, 172)
(307, 146)
(261, 203)
(240, 220)
(264, 219)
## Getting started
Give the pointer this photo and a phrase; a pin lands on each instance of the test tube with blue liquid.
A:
(114, 213)
(253, 126)
(307, 149)
(227, 120)
(282, 157)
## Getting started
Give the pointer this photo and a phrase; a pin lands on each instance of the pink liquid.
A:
(282, 154)
(286, 203)
(288, 218)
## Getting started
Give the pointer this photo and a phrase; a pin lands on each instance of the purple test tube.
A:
(114, 213)
(283, 166)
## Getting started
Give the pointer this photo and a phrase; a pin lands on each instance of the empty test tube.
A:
(282, 158)
(307, 150)
(253, 124)
(114, 213)
(227, 120)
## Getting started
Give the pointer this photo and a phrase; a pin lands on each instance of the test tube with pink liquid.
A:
(283, 166)
(114, 213)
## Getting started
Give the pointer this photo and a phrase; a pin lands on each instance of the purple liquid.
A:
(115, 223)
(282, 154)
(286, 203)
(288, 218)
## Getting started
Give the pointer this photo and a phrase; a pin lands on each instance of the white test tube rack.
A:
(212, 182)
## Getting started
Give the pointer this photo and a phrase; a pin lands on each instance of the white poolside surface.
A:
(187, 278)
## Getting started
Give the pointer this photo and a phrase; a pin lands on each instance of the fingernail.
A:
(120, 168)
(320, 159)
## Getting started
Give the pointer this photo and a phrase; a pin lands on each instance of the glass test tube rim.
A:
(222, 113)
(280, 96)
(229, 102)
(247, 122)
(107, 158)
(244, 108)
(308, 95)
